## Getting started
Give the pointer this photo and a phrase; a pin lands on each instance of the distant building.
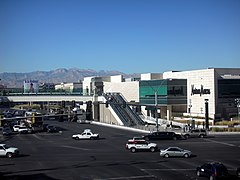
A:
(70, 87)
(46, 87)
(176, 93)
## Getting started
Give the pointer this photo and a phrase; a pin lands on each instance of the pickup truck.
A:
(8, 151)
(86, 134)
(138, 145)
(24, 130)
(195, 133)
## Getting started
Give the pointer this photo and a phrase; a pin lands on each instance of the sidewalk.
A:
(154, 129)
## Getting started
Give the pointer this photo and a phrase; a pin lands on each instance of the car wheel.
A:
(133, 150)
(77, 138)
(166, 155)
(212, 178)
(174, 138)
(9, 155)
(152, 149)
(186, 136)
(198, 173)
(186, 155)
(91, 138)
(201, 136)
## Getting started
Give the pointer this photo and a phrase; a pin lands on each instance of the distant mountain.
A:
(55, 76)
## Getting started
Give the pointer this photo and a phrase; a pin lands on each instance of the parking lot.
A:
(58, 156)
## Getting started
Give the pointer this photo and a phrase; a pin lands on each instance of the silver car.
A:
(175, 152)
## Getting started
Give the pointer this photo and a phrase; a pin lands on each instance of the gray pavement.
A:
(57, 156)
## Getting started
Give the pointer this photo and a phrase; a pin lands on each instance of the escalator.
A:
(122, 109)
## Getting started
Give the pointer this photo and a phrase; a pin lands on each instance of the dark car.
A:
(213, 170)
(238, 172)
(162, 136)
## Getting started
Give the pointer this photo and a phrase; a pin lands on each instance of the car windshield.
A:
(221, 168)
(6, 146)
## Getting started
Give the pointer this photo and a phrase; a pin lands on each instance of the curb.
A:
(119, 127)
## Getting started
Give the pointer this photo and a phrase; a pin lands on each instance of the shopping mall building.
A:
(176, 93)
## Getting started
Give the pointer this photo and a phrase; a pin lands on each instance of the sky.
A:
(131, 36)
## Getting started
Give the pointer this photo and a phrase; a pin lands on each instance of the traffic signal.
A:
(63, 104)
(73, 103)
(237, 102)
(107, 104)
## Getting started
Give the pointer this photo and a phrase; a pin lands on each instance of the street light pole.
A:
(206, 114)
(237, 103)
(156, 112)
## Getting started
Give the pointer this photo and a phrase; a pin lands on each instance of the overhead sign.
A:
(200, 91)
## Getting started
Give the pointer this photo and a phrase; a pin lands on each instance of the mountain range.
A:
(15, 80)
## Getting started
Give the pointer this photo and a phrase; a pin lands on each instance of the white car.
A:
(16, 128)
(24, 129)
(87, 134)
(8, 151)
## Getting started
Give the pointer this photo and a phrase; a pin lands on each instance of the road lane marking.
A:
(171, 169)
(129, 177)
(36, 136)
(72, 147)
(227, 144)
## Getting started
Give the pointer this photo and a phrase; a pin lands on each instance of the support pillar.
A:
(169, 112)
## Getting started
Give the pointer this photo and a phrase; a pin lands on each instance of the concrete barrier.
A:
(119, 127)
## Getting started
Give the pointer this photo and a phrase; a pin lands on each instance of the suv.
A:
(133, 146)
(8, 151)
(196, 133)
(162, 136)
(212, 170)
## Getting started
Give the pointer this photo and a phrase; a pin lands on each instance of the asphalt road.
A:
(57, 156)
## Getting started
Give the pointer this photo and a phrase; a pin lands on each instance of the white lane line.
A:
(168, 169)
(129, 177)
(227, 144)
(72, 147)
(36, 136)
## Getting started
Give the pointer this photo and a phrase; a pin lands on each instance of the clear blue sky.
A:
(132, 36)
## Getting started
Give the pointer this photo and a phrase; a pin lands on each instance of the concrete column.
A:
(163, 112)
(169, 112)
(96, 114)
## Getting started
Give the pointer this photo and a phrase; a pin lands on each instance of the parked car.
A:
(136, 139)
(175, 152)
(24, 130)
(83, 121)
(196, 133)
(8, 151)
(164, 135)
(138, 145)
(51, 129)
(6, 130)
(238, 172)
(213, 170)
(16, 128)
(86, 134)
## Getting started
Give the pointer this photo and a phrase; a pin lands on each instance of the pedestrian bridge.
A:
(49, 98)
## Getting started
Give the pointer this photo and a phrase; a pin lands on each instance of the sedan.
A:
(175, 152)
